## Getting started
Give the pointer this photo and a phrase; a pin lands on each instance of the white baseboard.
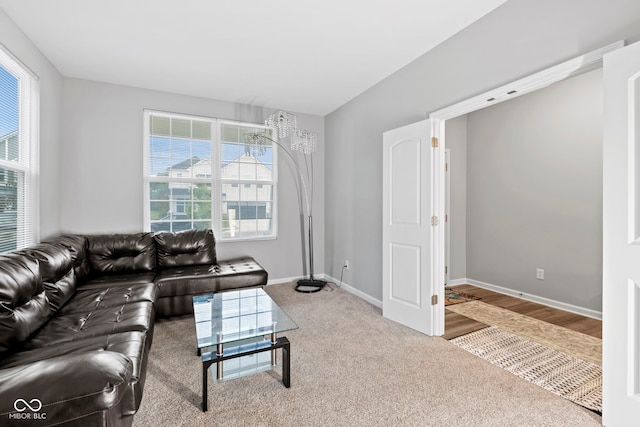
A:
(283, 280)
(511, 292)
(328, 278)
(528, 297)
(457, 282)
(354, 291)
(294, 279)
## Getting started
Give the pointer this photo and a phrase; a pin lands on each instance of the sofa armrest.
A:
(64, 388)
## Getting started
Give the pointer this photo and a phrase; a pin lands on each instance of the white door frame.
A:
(542, 79)
(447, 213)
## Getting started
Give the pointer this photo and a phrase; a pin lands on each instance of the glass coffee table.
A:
(237, 331)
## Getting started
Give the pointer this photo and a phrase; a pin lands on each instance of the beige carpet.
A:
(567, 376)
(350, 367)
(574, 343)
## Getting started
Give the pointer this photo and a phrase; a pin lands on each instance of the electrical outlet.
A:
(347, 265)
(539, 274)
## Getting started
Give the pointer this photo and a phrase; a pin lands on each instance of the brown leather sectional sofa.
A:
(77, 316)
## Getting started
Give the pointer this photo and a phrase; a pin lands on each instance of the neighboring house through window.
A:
(193, 170)
(18, 161)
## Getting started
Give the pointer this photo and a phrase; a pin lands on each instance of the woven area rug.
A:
(452, 296)
(567, 376)
(566, 340)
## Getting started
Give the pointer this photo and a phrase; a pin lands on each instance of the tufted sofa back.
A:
(189, 247)
(56, 270)
(121, 253)
(76, 244)
(23, 302)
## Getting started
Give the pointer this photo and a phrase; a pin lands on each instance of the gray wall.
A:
(456, 141)
(534, 192)
(519, 38)
(102, 182)
(50, 81)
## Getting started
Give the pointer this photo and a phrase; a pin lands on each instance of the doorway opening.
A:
(575, 67)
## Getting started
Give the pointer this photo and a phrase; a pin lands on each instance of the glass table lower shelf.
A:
(245, 351)
(243, 366)
(237, 331)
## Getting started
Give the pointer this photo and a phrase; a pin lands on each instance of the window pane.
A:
(173, 203)
(201, 225)
(201, 149)
(159, 211)
(9, 113)
(160, 226)
(160, 126)
(231, 152)
(8, 210)
(159, 191)
(264, 193)
(202, 192)
(244, 166)
(181, 161)
(181, 128)
(202, 210)
(246, 211)
(174, 152)
(181, 226)
(230, 133)
(248, 171)
(201, 130)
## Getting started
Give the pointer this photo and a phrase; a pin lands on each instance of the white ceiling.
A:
(303, 56)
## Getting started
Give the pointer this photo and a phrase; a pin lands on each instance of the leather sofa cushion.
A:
(121, 253)
(116, 296)
(112, 280)
(57, 272)
(134, 345)
(199, 279)
(189, 247)
(77, 246)
(69, 387)
(135, 316)
(23, 304)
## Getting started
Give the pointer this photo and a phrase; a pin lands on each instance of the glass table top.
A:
(237, 315)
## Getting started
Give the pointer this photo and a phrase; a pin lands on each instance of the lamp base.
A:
(308, 286)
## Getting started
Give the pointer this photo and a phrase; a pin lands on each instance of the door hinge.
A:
(434, 300)
(446, 269)
(446, 167)
(434, 142)
(434, 221)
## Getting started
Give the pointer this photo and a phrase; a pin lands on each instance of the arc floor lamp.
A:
(284, 124)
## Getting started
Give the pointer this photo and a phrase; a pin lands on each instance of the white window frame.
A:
(27, 165)
(215, 180)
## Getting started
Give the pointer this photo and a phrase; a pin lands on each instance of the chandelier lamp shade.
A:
(304, 141)
(284, 125)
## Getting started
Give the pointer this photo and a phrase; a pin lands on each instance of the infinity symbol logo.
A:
(21, 405)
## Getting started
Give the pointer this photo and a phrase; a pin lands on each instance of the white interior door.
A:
(621, 238)
(407, 284)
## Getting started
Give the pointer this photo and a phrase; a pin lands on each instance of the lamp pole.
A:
(303, 285)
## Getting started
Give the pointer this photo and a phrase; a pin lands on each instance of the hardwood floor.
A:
(457, 325)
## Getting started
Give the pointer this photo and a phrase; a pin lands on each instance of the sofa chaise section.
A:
(188, 266)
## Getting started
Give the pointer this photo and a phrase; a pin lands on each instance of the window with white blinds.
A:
(18, 162)
(200, 173)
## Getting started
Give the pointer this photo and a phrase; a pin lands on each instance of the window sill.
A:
(246, 239)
